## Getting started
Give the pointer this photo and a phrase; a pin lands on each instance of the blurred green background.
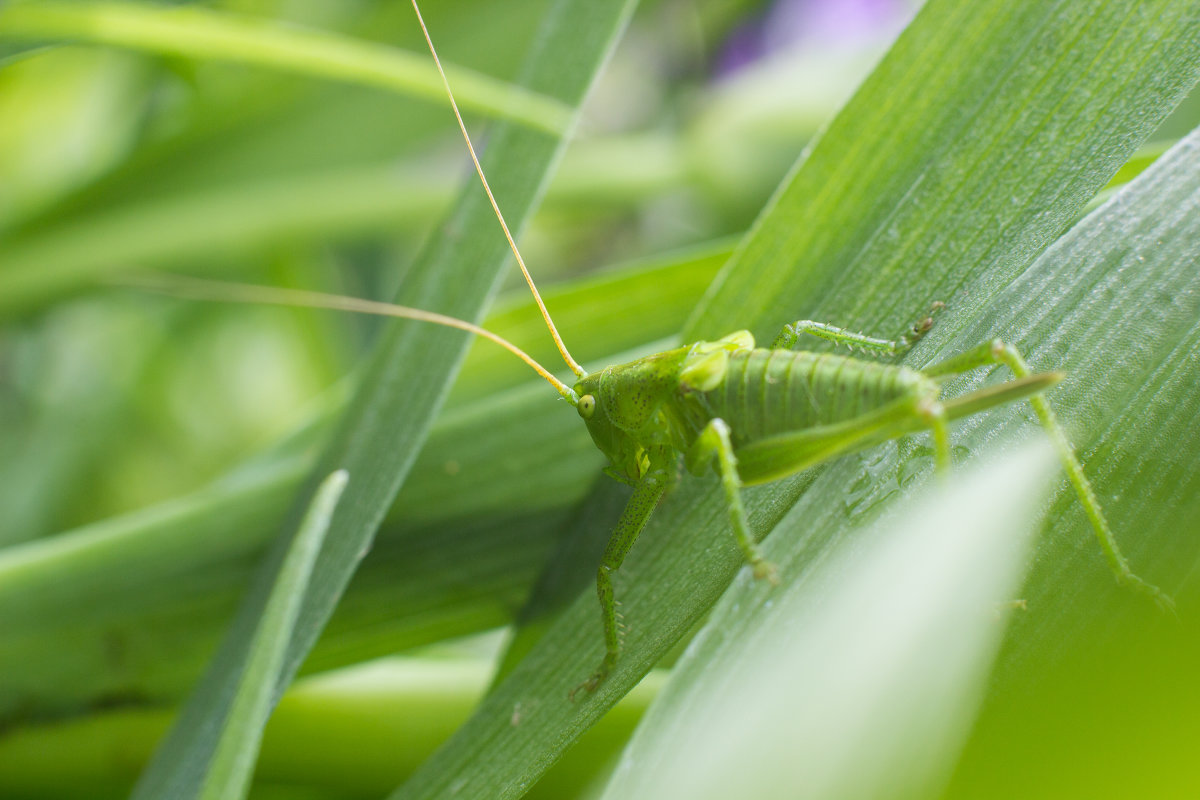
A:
(114, 162)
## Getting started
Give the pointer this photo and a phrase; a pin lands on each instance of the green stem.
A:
(210, 35)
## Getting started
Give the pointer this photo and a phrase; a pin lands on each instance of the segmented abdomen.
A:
(774, 391)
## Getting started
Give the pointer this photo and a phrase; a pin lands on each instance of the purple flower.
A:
(792, 23)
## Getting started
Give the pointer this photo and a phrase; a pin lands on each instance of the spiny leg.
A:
(998, 352)
(789, 337)
(714, 443)
(646, 494)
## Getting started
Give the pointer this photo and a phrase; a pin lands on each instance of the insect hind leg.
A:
(998, 352)
(714, 444)
(789, 337)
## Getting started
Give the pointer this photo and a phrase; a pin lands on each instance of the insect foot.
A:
(596, 678)
(1161, 599)
(922, 326)
(764, 569)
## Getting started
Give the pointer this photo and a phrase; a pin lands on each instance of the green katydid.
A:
(751, 414)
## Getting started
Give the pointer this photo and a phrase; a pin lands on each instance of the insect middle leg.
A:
(714, 444)
(998, 352)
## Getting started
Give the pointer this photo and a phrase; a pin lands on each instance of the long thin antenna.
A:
(199, 289)
(562, 348)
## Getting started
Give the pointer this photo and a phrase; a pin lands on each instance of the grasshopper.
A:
(750, 414)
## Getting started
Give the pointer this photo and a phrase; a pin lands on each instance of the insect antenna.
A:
(200, 289)
(562, 348)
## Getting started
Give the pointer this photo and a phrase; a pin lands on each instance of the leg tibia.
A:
(713, 444)
(789, 338)
(999, 352)
(984, 355)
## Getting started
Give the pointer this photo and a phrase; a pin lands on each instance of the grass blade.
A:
(234, 754)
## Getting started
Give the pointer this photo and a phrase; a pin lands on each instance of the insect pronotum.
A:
(750, 414)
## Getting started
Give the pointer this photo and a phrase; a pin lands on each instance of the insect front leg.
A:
(999, 352)
(646, 494)
(789, 337)
(713, 444)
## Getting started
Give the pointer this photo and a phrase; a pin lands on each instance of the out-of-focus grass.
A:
(113, 161)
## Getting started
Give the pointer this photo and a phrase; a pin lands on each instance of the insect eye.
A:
(587, 406)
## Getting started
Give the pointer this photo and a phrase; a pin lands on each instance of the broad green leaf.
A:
(1083, 639)
(977, 140)
(862, 679)
(1131, 345)
(385, 425)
